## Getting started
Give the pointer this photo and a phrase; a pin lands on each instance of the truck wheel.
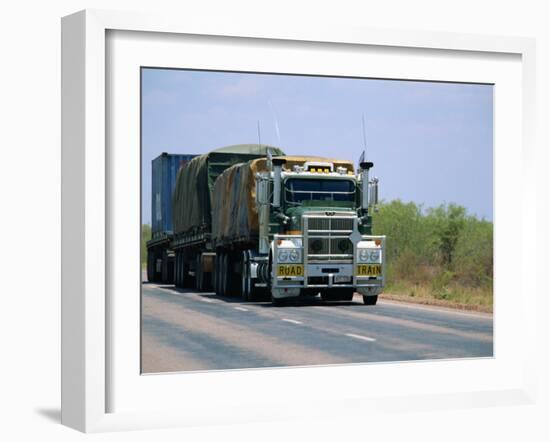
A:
(370, 300)
(176, 269)
(150, 266)
(170, 269)
(198, 273)
(223, 273)
(276, 302)
(232, 280)
(155, 275)
(246, 293)
(347, 295)
(164, 267)
(184, 271)
(181, 270)
(216, 277)
(201, 278)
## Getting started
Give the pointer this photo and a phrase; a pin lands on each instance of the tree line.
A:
(439, 247)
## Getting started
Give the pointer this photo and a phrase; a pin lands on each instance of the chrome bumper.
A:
(318, 274)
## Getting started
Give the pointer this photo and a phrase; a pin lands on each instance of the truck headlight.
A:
(371, 256)
(289, 255)
(283, 255)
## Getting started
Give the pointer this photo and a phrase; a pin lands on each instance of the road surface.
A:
(184, 330)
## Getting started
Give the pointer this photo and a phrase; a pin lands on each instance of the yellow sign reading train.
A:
(369, 270)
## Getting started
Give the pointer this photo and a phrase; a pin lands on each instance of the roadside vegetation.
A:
(145, 236)
(437, 255)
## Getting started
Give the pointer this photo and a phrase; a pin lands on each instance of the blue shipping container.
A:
(164, 169)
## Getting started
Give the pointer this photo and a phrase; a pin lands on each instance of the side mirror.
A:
(373, 192)
(262, 191)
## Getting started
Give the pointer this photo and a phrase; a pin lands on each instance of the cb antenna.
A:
(363, 156)
(259, 134)
(364, 133)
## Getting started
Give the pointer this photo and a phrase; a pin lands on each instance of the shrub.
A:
(473, 261)
(145, 236)
(439, 247)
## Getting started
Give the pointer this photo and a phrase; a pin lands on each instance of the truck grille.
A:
(328, 238)
(330, 224)
(329, 246)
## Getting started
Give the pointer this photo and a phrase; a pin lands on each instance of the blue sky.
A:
(431, 143)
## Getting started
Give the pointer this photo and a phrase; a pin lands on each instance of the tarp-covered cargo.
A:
(195, 182)
(234, 212)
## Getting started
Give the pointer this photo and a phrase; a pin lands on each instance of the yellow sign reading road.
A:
(290, 270)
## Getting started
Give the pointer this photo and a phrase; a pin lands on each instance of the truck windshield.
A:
(298, 190)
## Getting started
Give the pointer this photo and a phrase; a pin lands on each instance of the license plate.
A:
(290, 270)
(342, 278)
(369, 270)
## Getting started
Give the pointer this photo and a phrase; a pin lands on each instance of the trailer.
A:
(192, 218)
(160, 256)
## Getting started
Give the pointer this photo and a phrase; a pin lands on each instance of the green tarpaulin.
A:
(234, 212)
(195, 183)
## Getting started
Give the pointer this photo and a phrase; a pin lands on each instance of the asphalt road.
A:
(183, 330)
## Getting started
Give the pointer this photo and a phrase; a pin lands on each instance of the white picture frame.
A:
(87, 355)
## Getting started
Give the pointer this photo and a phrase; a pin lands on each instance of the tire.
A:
(180, 269)
(370, 300)
(258, 293)
(276, 302)
(246, 283)
(199, 279)
(223, 273)
(347, 295)
(164, 267)
(232, 280)
(215, 275)
(150, 265)
(202, 279)
(185, 279)
(177, 269)
(169, 269)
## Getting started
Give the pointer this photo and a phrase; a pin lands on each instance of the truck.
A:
(251, 221)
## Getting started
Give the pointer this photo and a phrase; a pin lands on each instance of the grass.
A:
(438, 255)
(451, 295)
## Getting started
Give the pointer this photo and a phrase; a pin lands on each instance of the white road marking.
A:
(292, 321)
(242, 309)
(363, 338)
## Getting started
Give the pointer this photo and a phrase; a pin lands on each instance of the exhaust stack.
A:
(365, 166)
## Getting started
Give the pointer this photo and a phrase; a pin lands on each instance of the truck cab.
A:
(315, 217)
